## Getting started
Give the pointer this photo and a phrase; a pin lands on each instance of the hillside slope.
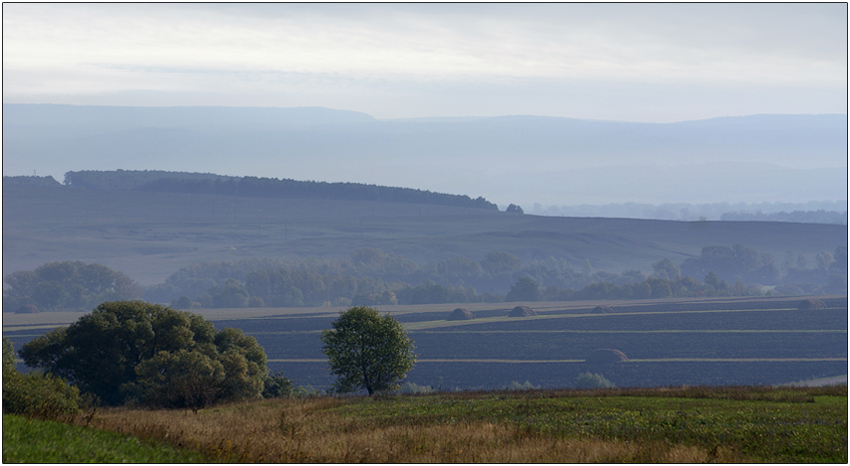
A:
(150, 235)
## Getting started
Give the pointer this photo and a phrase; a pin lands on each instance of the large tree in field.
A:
(161, 357)
(367, 351)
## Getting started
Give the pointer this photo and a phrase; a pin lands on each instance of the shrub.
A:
(589, 381)
(34, 393)
(277, 386)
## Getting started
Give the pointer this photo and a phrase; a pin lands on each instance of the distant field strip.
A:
(548, 361)
(740, 360)
(299, 332)
(17, 328)
(487, 320)
(621, 331)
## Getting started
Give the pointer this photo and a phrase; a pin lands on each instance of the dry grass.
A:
(306, 430)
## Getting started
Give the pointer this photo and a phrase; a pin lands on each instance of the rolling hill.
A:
(149, 235)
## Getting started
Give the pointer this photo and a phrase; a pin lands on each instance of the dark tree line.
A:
(31, 181)
(799, 216)
(252, 186)
(128, 179)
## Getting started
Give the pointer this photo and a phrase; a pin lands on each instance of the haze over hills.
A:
(151, 234)
(755, 159)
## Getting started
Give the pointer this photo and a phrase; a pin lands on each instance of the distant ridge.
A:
(34, 181)
(251, 186)
(516, 158)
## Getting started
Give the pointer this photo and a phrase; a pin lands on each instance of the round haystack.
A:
(522, 311)
(461, 314)
(602, 310)
(26, 309)
(606, 356)
(811, 303)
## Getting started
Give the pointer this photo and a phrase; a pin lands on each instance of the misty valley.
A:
(396, 233)
(700, 303)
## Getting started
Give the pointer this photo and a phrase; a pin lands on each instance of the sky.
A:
(655, 62)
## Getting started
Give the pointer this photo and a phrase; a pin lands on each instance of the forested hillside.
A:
(251, 186)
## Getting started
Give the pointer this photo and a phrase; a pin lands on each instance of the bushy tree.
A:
(180, 379)
(276, 386)
(525, 289)
(135, 350)
(367, 351)
(666, 269)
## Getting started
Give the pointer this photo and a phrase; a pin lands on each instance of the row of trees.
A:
(67, 285)
(797, 216)
(372, 277)
(751, 266)
(526, 289)
(252, 186)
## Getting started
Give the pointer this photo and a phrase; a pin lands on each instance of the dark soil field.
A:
(745, 341)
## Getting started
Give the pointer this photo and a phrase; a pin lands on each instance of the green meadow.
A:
(41, 441)
(653, 425)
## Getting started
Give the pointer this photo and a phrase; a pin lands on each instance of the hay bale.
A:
(522, 311)
(606, 356)
(602, 310)
(461, 314)
(26, 309)
(811, 303)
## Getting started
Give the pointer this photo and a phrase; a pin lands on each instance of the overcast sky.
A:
(636, 62)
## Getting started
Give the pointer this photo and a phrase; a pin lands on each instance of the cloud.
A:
(388, 53)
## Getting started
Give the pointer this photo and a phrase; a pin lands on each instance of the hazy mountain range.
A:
(509, 159)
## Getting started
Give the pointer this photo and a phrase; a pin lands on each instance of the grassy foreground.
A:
(37, 441)
(682, 425)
